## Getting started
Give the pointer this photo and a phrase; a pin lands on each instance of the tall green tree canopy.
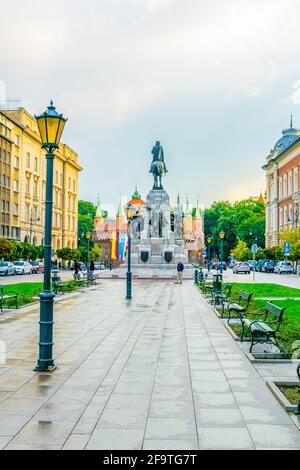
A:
(243, 220)
(86, 214)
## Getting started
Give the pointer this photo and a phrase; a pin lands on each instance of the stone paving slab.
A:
(159, 372)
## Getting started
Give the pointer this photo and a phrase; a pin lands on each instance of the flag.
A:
(121, 246)
(114, 245)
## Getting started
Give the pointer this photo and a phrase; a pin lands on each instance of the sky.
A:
(215, 82)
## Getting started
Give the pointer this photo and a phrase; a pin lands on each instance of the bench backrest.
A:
(275, 310)
(245, 297)
(227, 289)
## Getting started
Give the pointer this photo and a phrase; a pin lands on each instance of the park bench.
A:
(81, 281)
(58, 286)
(264, 329)
(7, 295)
(221, 297)
(239, 307)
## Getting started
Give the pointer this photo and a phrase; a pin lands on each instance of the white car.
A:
(242, 268)
(283, 267)
(23, 267)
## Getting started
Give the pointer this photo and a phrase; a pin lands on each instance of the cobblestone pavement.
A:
(160, 372)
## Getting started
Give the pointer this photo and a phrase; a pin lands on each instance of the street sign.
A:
(204, 252)
(254, 248)
(287, 249)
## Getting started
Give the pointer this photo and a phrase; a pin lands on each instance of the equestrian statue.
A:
(158, 167)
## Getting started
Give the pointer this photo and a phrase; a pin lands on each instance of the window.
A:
(17, 140)
(56, 177)
(69, 183)
(285, 215)
(27, 188)
(28, 160)
(27, 212)
(16, 209)
(17, 162)
(296, 180)
(3, 206)
(285, 186)
(7, 207)
(280, 217)
(35, 188)
(35, 164)
(16, 186)
(8, 182)
(74, 186)
(290, 183)
(280, 187)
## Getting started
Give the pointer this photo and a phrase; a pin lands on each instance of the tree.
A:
(86, 214)
(96, 253)
(241, 251)
(6, 248)
(244, 220)
(66, 254)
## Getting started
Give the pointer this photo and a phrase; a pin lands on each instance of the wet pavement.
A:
(160, 372)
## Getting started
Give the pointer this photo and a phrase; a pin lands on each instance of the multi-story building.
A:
(283, 191)
(23, 184)
(193, 234)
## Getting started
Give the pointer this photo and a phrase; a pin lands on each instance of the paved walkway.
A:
(161, 372)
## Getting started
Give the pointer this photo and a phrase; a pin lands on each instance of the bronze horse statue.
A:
(158, 166)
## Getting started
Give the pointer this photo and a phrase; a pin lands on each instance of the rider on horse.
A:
(158, 166)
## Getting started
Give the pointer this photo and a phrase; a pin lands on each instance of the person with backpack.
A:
(180, 268)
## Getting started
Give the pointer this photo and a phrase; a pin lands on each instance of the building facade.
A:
(23, 184)
(282, 185)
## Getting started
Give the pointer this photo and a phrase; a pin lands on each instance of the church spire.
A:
(120, 211)
(99, 210)
(187, 207)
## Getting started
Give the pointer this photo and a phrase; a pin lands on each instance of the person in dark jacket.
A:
(180, 268)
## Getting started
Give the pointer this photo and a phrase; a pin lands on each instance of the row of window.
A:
(15, 232)
(288, 183)
(288, 215)
(5, 131)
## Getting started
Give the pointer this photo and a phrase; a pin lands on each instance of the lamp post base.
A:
(128, 286)
(45, 360)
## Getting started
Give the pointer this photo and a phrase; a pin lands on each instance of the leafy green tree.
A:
(6, 248)
(96, 253)
(243, 220)
(241, 252)
(66, 254)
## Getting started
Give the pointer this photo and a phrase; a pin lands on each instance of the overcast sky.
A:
(214, 81)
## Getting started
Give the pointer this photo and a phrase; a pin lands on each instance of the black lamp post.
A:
(88, 237)
(209, 240)
(221, 235)
(130, 215)
(51, 125)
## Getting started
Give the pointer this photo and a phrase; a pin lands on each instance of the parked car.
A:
(7, 268)
(260, 264)
(37, 267)
(285, 267)
(23, 267)
(268, 267)
(222, 265)
(252, 264)
(242, 268)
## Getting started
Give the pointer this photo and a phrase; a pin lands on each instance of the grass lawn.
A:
(290, 328)
(266, 290)
(292, 393)
(27, 291)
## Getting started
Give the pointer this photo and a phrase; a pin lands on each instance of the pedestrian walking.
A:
(92, 266)
(76, 270)
(180, 268)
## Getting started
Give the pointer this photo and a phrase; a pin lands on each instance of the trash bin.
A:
(217, 282)
(55, 279)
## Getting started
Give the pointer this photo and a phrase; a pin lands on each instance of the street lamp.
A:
(50, 125)
(88, 237)
(130, 215)
(221, 235)
(209, 240)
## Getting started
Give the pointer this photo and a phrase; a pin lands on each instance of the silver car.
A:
(23, 267)
(283, 267)
(7, 268)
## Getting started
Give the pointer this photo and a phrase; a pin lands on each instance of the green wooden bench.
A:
(6, 295)
(220, 297)
(264, 329)
(239, 307)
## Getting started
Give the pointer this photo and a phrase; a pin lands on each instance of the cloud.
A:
(295, 97)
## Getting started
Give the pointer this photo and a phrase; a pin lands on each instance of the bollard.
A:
(196, 277)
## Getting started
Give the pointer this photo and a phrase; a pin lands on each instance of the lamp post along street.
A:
(222, 235)
(130, 215)
(88, 237)
(209, 240)
(51, 125)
